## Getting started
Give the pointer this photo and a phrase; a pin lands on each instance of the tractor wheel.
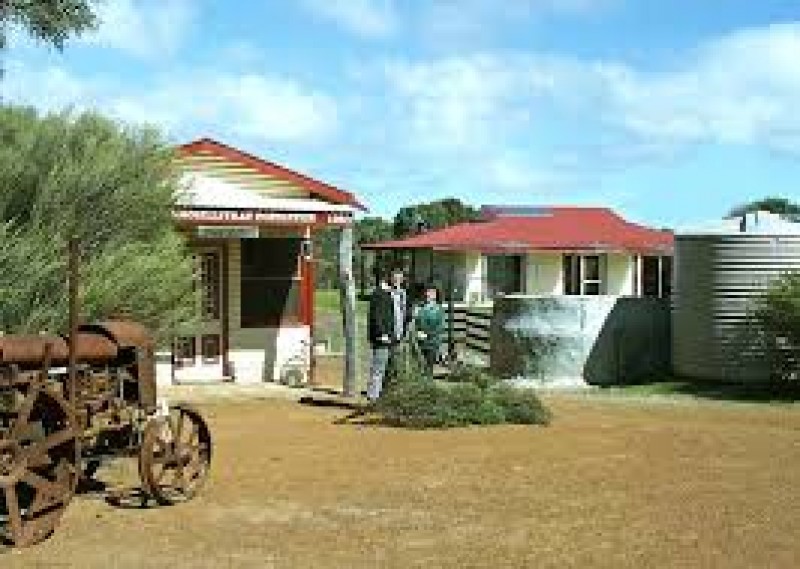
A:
(39, 466)
(175, 456)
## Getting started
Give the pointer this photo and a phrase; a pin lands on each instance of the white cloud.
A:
(458, 102)
(446, 21)
(366, 18)
(144, 28)
(739, 89)
(259, 107)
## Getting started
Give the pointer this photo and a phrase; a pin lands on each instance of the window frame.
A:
(517, 264)
(576, 271)
(663, 269)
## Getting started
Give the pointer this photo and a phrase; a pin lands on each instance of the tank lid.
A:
(755, 223)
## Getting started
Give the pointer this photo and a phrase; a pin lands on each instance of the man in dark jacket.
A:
(382, 335)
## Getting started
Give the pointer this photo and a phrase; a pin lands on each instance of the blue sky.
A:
(668, 111)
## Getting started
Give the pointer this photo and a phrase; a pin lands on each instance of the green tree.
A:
(433, 215)
(776, 205)
(111, 187)
(326, 244)
(49, 21)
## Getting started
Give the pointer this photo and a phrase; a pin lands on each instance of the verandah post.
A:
(347, 294)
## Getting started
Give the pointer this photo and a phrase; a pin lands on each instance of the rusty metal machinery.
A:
(69, 403)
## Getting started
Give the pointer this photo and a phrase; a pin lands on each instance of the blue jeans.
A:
(377, 371)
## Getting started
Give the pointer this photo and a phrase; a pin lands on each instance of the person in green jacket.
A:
(429, 325)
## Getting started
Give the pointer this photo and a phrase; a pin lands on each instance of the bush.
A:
(410, 400)
(779, 315)
(520, 405)
(465, 373)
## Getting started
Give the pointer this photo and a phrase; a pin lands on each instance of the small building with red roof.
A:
(249, 223)
(540, 251)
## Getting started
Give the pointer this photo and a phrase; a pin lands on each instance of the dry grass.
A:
(607, 485)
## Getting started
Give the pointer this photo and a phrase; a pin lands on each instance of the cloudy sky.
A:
(668, 111)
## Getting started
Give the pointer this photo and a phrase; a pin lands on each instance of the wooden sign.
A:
(236, 217)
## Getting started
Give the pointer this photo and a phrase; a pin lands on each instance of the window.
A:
(657, 276)
(583, 274)
(210, 284)
(184, 351)
(270, 282)
(504, 274)
(572, 274)
(666, 277)
(591, 275)
(210, 348)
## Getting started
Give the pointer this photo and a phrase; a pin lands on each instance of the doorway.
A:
(199, 358)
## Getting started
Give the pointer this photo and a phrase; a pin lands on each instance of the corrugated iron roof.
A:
(271, 169)
(554, 228)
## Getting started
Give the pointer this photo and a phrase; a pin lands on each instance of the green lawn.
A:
(328, 319)
(326, 300)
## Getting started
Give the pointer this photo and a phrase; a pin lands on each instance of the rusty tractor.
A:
(68, 404)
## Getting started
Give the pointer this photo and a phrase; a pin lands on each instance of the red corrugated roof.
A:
(315, 187)
(555, 228)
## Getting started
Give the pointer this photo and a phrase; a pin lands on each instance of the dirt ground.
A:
(609, 484)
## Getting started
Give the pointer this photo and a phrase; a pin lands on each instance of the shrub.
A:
(410, 400)
(779, 315)
(472, 374)
(520, 405)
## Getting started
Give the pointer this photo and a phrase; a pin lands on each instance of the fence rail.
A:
(472, 327)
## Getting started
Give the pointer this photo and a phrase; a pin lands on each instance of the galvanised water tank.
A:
(720, 270)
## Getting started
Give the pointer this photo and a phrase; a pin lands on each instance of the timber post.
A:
(451, 346)
(347, 294)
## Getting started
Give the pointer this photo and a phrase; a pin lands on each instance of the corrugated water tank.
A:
(720, 269)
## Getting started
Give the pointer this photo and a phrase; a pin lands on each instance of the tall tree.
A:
(113, 189)
(52, 22)
(366, 230)
(777, 205)
(433, 215)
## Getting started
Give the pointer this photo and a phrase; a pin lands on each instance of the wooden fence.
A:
(471, 327)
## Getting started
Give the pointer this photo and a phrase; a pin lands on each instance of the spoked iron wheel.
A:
(175, 456)
(38, 467)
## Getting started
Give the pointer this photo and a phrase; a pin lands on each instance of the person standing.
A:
(402, 312)
(429, 324)
(382, 335)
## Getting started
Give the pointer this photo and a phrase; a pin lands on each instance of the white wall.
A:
(619, 275)
(261, 354)
(473, 266)
(544, 274)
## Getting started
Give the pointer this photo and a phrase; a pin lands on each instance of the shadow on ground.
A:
(776, 392)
